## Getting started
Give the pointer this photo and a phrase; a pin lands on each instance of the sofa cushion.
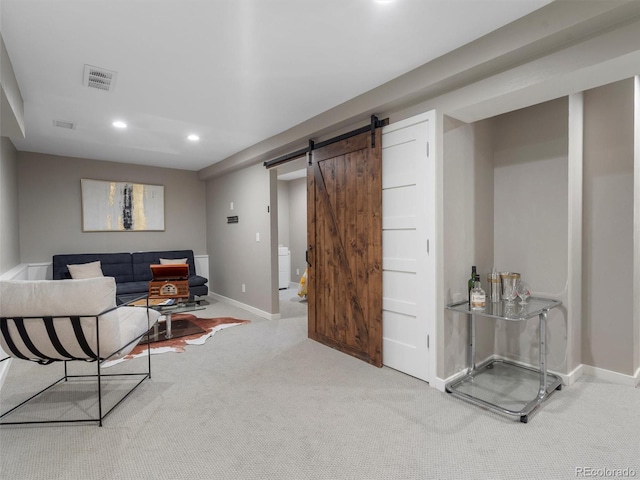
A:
(172, 261)
(116, 265)
(142, 260)
(86, 270)
(132, 287)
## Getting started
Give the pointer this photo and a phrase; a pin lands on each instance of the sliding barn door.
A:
(345, 246)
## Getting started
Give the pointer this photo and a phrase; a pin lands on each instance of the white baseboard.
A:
(573, 376)
(19, 272)
(202, 265)
(440, 383)
(254, 310)
(44, 270)
(40, 271)
(613, 377)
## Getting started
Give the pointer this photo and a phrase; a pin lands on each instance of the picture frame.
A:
(110, 206)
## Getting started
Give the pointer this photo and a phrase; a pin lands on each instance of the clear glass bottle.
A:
(478, 295)
(471, 282)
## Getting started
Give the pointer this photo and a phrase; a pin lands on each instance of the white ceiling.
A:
(233, 71)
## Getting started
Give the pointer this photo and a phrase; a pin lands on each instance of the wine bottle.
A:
(478, 296)
(471, 283)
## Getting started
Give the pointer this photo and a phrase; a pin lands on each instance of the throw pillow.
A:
(172, 261)
(86, 270)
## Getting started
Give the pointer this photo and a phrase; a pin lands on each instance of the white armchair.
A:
(48, 321)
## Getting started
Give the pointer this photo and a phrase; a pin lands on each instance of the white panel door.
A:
(408, 210)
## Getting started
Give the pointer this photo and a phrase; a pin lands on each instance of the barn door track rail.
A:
(375, 123)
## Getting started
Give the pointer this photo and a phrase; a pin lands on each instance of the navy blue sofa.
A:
(131, 270)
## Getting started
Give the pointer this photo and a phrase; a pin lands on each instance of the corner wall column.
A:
(574, 273)
(636, 228)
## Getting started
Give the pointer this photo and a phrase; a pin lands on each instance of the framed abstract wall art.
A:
(121, 206)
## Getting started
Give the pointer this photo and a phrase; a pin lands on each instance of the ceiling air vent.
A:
(99, 78)
(64, 124)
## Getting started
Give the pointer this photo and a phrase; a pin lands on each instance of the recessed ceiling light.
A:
(119, 124)
(193, 137)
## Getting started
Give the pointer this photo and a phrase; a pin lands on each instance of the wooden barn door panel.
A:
(345, 247)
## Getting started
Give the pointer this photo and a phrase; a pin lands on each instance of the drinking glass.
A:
(510, 292)
(509, 284)
(524, 291)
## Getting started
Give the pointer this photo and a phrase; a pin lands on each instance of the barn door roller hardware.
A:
(375, 123)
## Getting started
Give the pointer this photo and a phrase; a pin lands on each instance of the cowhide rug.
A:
(209, 325)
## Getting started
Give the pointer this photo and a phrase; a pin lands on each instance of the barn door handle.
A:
(306, 256)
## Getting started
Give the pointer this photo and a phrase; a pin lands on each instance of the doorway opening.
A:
(292, 236)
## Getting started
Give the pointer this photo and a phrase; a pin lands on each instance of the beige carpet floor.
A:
(261, 401)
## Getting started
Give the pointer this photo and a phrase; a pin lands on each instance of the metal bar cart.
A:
(500, 385)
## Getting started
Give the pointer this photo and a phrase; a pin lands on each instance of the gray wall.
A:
(505, 206)
(488, 77)
(531, 218)
(9, 219)
(51, 212)
(524, 63)
(11, 102)
(468, 232)
(235, 256)
(636, 214)
(298, 226)
(608, 340)
(292, 222)
(283, 214)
